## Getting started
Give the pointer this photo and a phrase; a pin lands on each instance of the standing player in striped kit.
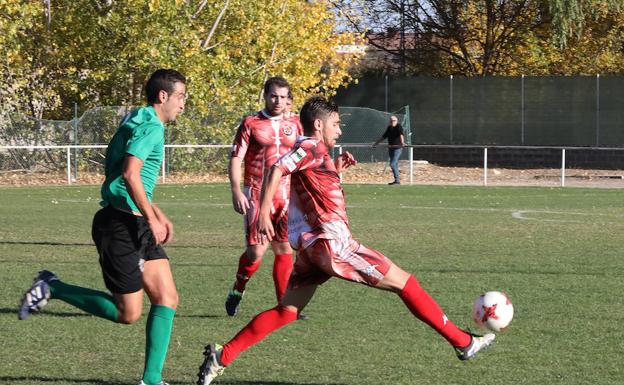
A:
(318, 228)
(261, 140)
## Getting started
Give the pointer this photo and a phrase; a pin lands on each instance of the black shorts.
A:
(124, 242)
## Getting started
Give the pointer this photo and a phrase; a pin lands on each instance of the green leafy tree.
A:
(100, 52)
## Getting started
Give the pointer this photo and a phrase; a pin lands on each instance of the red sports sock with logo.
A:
(246, 270)
(262, 325)
(427, 310)
(282, 267)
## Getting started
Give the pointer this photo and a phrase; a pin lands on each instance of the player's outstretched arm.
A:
(269, 187)
(239, 200)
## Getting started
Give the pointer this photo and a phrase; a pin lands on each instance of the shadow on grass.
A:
(51, 243)
(7, 310)
(26, 379)
(47, 313)
(45, 243)
(31, 379)
(260, 382)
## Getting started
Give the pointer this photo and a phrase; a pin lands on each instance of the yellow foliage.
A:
(102, 55)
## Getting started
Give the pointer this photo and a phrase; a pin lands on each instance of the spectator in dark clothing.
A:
(396, 141)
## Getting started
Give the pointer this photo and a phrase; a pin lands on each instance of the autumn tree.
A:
(570, 17)
(100, 52)
(492, 37)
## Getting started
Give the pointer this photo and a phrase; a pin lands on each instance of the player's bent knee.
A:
(287, 314)
(128, 317)
(287, 310)
(167, 299)
(395, 279)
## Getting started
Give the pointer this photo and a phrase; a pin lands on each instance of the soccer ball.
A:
(492, 311)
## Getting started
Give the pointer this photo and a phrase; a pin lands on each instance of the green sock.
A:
(157, 335)
(94, 302)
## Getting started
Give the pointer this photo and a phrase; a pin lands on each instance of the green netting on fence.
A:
(503, 111)
(366, 125)
(560, 111)
(611, 111)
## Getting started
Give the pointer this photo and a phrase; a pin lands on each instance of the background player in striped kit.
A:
(261, 140)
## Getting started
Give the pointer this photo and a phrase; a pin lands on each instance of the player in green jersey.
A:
(129, 230)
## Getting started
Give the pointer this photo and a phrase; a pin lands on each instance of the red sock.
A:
(427, 310)
(262, 325)
(246, 270)
(282, 267)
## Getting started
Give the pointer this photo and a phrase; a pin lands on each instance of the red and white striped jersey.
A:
(261, 140)
(316, 197)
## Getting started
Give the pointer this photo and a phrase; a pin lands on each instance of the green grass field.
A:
(556, 252)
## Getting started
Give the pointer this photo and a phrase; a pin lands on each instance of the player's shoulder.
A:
(313, 145)
(144, 117)
(251, 118)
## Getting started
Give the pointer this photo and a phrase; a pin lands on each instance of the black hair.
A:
(162, 80)
(275, 81)
(316, 107)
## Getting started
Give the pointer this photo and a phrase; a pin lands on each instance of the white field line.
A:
(519, 214)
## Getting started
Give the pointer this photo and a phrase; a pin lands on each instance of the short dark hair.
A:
(275, 81)
(162, 80)
(316, 107)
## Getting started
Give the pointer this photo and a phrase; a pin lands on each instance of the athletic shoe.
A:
(160, 383)
(303, 317)
(210, 368)
(232, 303)
(477, 343)
(38, 295)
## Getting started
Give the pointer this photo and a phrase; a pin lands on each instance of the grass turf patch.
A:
(556, 252)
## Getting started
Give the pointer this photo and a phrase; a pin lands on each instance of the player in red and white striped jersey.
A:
(261, 140)
(319, 230)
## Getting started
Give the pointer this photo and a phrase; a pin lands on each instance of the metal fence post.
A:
(339, 154)
(563, 160)
(451, 111)
(597, 110)
(75, 141)
(68, 165)
(411, 164)
(386, 93)
(162, 165)
(485, 166)
(522, 110)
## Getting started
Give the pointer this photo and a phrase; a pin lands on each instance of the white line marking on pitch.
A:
(517, 214)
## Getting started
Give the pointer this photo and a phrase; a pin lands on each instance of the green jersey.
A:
(140, 134)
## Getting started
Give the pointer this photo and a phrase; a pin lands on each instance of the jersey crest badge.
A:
(287, 129)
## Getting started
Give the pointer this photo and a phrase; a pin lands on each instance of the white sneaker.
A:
(211, 367)
(38, 295)
(477, 343)
(160, 383)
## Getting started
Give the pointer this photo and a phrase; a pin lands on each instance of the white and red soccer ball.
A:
(492, 311)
